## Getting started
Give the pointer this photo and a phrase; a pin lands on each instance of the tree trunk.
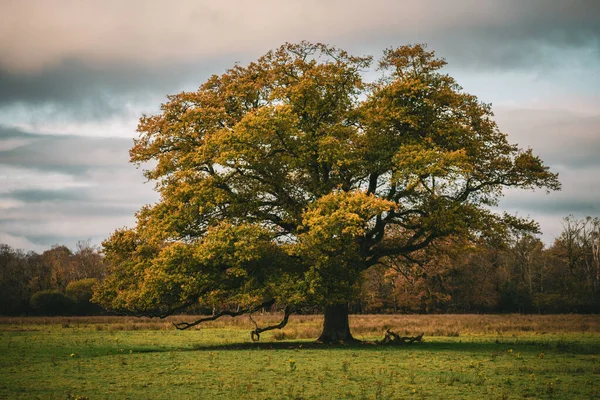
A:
(336, 328)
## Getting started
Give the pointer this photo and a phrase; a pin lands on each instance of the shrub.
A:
(52, 302)
(81, 292)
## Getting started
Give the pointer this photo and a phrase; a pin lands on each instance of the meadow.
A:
(462, 357)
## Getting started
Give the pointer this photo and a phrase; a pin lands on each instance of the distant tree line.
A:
(57, 282)
(512, 275)
(516, 274)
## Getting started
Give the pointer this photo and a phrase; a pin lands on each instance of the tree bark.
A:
(336, 328)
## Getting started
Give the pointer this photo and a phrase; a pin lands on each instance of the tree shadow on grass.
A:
(522, 346)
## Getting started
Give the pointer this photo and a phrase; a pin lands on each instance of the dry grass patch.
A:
(363, 326)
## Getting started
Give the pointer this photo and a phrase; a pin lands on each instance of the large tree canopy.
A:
(284, 180)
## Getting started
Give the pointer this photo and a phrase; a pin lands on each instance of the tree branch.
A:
(255, 334)
(186, 325)
(372, 183)
(151, 314)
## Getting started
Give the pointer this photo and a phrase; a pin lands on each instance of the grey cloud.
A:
(550, 209)
(30, 240)
(558, 207)
(79, 91)
(45, 242)
(562, 138)
(9, 132)
(39, 195)
(61, 189)
(538, 33)
(111, 32)
(72, 204)
(579, 196)
(74, 155)
(46, 220)
(84, 61)
(568, 140)
(43, 218)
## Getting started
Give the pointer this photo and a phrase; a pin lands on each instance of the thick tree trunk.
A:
(336, 328)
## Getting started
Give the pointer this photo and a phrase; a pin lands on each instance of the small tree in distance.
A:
(282, 181)
(81, 292)
(52, 302)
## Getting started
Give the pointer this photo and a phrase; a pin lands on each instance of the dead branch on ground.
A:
(392, 338)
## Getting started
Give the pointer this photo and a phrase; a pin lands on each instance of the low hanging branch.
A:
(393, 338)
(255, 334)
(154, 314)
(186, 325)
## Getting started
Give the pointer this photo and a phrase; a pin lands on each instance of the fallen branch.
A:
(392, 338)
(186, 325)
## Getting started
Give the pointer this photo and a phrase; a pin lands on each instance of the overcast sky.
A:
(76, 75)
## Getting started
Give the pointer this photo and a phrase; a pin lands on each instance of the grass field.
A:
(463, 356)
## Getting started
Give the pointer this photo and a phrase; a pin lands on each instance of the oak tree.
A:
(283, 180)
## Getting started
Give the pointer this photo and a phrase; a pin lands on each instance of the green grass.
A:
(100, 359)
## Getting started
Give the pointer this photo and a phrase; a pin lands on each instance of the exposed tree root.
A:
(392, 338)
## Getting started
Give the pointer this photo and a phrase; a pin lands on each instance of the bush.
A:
(81, 292)
(52, 302)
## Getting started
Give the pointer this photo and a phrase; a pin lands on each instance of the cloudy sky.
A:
(75, 76)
